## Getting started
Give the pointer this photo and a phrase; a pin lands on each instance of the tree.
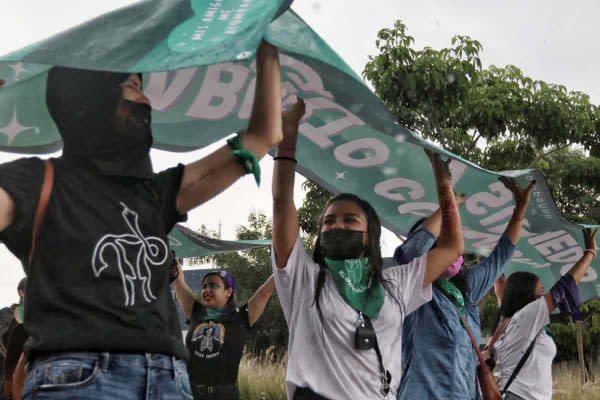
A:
(251, 269)
(496, 117)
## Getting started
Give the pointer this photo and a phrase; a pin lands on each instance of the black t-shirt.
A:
(215, 347)
(16, 339)
(99, 280)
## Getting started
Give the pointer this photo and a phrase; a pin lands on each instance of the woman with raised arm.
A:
(524, 351)
(218, 331)
(99, 308)
(345, 313)
(438, 359)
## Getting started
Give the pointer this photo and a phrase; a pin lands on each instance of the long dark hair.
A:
(372, 249)
(518, 292)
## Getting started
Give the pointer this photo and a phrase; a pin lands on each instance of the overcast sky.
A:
(555, 41)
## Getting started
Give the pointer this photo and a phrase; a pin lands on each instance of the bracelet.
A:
(285, 158)
(246, 158)
(519, 219)
(590, 251)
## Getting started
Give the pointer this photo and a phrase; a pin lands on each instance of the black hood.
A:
(84, 104)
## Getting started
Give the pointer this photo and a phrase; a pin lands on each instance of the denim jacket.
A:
(438, 361)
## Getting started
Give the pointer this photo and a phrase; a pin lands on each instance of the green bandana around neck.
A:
(213, 314)
(350, 277)
(452, 292)
(22, 312)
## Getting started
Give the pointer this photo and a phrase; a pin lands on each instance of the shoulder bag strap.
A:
(499, 331)
(42, 207)
(386, 376)
(521, 362)
(482, 362)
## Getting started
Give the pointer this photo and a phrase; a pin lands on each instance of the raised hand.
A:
(522, 195)
(589, 236)
(441, 168)
(290, 121)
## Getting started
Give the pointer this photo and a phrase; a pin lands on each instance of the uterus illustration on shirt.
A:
(208, 339)
(136, 274)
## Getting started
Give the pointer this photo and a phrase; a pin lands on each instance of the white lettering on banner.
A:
(499, 229)
(567, 256)
(238, 17)
(487, 240)
(211, 11)
(420, 209)
(389, 189)
(555, 245)
(457, 169)
(162, 96)
(174, 242)
(475, 204)
(199, 33)
(214, 89)
(308, 81)
(545, 236)
(379, 153)
(224, 15)
(320, 136)
(498, 216)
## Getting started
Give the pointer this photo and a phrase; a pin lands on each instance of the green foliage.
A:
(488, 314)
(251, 269)
(311, 208)
(496, 117)
(564, 335)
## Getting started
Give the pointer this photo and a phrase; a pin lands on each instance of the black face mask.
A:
(341, 244)
(84, 105)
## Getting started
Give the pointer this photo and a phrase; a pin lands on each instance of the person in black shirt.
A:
(12, 337)
(218, 329)
(99, 310)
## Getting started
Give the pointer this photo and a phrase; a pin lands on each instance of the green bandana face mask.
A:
(213, 314)
(452, 292)
(350, 277)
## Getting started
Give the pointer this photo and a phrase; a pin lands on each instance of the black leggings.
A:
(305, 393)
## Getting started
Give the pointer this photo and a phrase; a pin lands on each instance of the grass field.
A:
(260, 379)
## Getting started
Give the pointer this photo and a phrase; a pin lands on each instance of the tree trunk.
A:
(582, 371)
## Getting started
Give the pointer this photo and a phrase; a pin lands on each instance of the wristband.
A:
(590, 251)
(246, 158)
(285, 158)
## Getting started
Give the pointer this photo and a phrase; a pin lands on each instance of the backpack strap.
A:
(42, 207)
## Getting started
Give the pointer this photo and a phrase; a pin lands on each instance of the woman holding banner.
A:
(523, 350)
(438, 359)
(343, 311)
(99, 308)
(218, 330)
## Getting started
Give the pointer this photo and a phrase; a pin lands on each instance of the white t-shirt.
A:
(534, 381)
(322, 356)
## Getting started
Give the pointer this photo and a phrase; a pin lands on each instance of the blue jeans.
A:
(112, 376)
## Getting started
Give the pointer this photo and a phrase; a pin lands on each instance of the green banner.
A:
(186, 243)
(197, 58)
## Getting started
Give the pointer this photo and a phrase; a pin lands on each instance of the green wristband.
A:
(246, 158)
